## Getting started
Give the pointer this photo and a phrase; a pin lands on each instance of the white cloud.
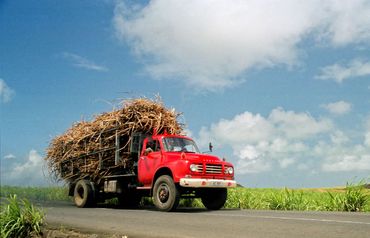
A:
(288, 139)
(303, 167)
(339, 73)
(248, 166)
(347, 162)
(6, 93)
(9, 156)
(338, 108)
(30, 172)
(252, 128)
(82, 62)
(260, 142)
(209, 44)
(347, 21)
(298, 125)
(339, 138)
(284, 163)
(340, 155)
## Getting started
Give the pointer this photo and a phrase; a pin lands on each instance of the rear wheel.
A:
(166, 196)
(83, 195)
(214, 198)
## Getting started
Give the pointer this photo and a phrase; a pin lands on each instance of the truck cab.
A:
(171, 166)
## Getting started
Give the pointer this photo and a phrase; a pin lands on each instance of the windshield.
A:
(180, 145)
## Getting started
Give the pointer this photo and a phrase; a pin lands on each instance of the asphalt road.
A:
(213, 224)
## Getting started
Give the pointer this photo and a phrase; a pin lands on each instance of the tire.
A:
(214, 198)
(83, 195)
(166, 196)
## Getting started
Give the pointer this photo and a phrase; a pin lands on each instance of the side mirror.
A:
(210, 146)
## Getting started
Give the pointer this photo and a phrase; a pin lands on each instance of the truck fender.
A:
(161, 171)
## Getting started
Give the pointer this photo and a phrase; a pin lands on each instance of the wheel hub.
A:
(163, 193)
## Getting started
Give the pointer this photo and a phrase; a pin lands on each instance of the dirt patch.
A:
(69, 233)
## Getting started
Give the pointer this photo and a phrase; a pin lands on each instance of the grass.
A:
(19, 218)
(36, 193)
(353, 198)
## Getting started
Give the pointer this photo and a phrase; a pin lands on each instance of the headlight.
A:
(193, 168)
(229, 170)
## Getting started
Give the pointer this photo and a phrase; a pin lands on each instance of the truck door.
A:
(149, 161)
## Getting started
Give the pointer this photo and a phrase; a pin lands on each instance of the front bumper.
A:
(207, 183)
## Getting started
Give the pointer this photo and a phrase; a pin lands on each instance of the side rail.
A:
(103, 151)
(86, 163)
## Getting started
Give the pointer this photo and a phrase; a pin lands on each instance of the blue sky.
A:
(281, 89)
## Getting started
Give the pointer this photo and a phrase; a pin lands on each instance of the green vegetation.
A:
(353, 197)
(19, 218)
(36, 193)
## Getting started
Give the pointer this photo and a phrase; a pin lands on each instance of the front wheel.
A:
(166, 196)
(214, 198)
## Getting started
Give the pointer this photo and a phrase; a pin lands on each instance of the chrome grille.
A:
(213, 168)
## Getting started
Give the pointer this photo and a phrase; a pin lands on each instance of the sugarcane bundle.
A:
(85, 137)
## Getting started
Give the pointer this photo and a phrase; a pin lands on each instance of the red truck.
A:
(165, 167)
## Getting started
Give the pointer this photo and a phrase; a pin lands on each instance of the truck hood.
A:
(201, 158)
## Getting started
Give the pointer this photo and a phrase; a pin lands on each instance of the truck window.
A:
(154, 145)
(174, 144)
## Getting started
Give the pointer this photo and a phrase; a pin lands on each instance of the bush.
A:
(287, 200)
(19, 218)
(354, 198)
